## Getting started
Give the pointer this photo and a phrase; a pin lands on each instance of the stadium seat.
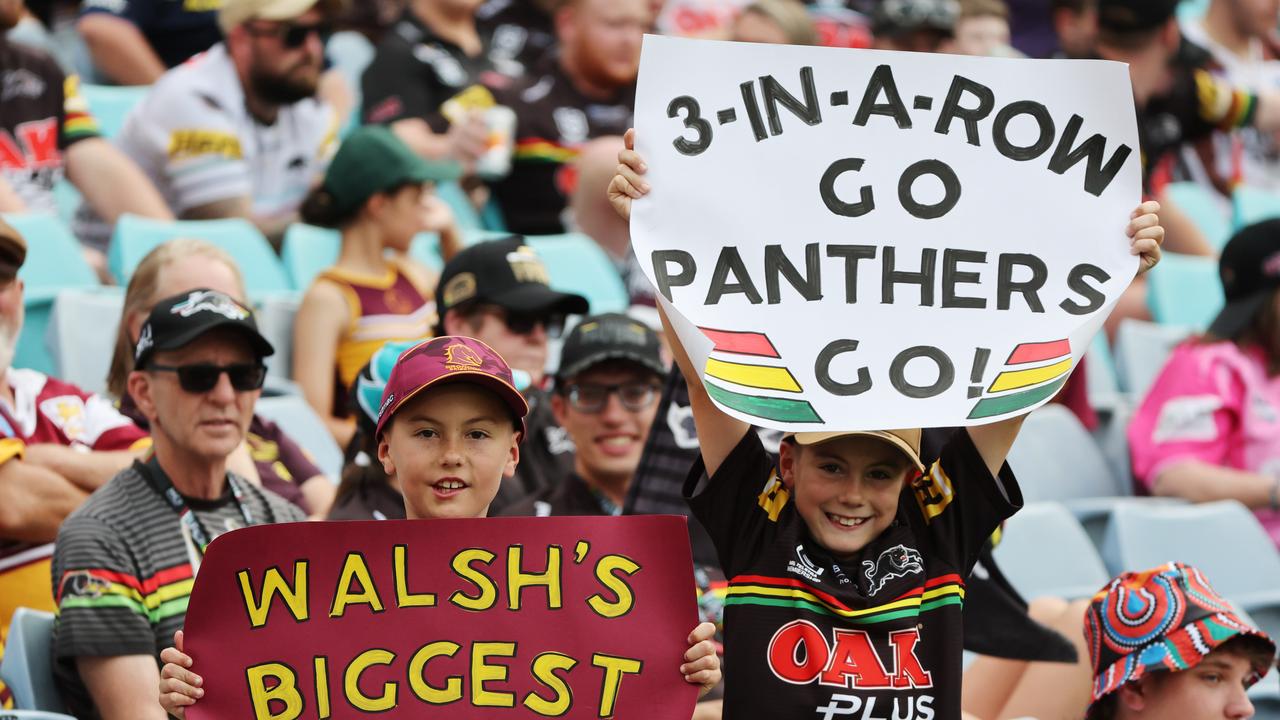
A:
(464, 213)
(1186, 291)
(82, 334)
(111, 104)
(135, 237)
(27, 668)
(577, 264)
(1223, 539)
(1077, 571)
(307, 250)
(491, 216)
(295, 416)
(350, 53)
(1250, 205)
(1100, 374)
(275, 315)
(54, 261)
(426, 250)
(1141, 351)
(1055, 458)
(1205, 207)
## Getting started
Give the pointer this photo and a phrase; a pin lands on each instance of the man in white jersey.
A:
(238, 130)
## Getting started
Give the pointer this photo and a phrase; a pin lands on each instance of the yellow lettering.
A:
(351, 682)
(544, 671)
(482, 672)
(614, 669)
(518, 579)
(273, 583)
(285, 691)
(452, 690)
(322, 686)
(487, 591)
(606, 572)
(404, 598)
(355, 569)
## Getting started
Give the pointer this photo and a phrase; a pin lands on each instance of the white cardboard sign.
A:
(856, 239)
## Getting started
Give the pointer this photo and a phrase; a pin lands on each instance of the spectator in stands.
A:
(606, 395)
(521, 32)
(1076, 24)
(498, 292)
(434, 54)
(585, 91)
(239, 131)
(982, 29)
(784, 22)
(380, 194)
(914, 25)
(1209, 427)
(1241, 37)
(57, 445)
(133, 42)
(46, 130)
(140, 538)
(366, 491)
(268, 456)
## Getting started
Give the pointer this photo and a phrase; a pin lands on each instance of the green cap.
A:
(373, 160)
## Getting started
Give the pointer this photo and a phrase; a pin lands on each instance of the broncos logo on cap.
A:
(461, 357)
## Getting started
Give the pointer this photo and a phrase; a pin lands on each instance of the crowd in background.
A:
(517, 108)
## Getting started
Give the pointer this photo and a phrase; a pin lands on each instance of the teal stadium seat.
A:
(263, 272)
(1204, 207)
(54, 262)
(82, 334)
(111, 104)
(307, 250)
(1078, 571)
(1185, 290)
(350, 53)
(578, 264)
(464, 213)
(1251, 205)
(27, 667)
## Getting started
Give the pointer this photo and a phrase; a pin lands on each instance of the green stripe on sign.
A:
(992, 406)
(769, 408)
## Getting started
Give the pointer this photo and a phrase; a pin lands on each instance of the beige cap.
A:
(237, 12)
(13, 247)
(908, 441)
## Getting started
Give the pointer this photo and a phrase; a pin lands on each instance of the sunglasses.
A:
(591, 398)
(203, 377)
(521, 323)
(293, 35)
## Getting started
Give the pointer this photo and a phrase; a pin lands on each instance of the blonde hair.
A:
(140, 297)
(983, 8)
(791, 16)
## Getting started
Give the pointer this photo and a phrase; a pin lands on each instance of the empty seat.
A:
(307, 250)
(304, 427)
(27, 667)
(1100, 377)
(82, 335)
(577, 264)
(1076, 570)
(263, 272)
(111, 104)
(1186, 291)
(1250, 205)
(275, 317)
(1205, 207)
(464, 213)
(1055, 458)
(1141, 351)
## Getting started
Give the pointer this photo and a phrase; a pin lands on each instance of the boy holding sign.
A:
(847, 562)
(449, 431)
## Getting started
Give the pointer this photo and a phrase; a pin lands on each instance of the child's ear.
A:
(788, 458)
(514, 460)
(557, 408)
(384, 455)
(1133, 694)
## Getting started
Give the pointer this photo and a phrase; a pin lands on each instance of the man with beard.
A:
(57, 445)
(238, 131)
(583, 91)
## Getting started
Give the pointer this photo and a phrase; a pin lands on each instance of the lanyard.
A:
(160, 483)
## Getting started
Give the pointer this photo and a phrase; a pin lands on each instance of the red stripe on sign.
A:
(1035, 352)
(741, 343)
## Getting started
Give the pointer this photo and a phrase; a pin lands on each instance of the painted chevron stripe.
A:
(1018, 387)
(770, 408)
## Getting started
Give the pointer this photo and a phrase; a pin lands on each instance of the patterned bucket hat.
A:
(1166, 618)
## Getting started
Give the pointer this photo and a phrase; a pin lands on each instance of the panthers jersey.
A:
(876, 635)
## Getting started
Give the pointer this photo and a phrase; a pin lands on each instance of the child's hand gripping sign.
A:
(870, 239)
(565, 617)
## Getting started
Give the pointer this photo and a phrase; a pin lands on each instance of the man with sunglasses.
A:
(498, 292)
(124, 561)
(606, 396)
(239, 130)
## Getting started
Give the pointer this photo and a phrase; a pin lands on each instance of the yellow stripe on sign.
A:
(1023, 378)
(756, 376)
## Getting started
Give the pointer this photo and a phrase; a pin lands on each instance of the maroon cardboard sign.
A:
(569, 617)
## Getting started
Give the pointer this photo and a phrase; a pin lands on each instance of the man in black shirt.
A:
(133, 42)
(520, 32)
(584, 91)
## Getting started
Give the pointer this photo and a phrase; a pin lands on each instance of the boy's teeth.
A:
(848, 522)
(451, 485)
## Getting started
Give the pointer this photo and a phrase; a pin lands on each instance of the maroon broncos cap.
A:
(449, 359)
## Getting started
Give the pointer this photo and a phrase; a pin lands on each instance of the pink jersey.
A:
(1215, 403)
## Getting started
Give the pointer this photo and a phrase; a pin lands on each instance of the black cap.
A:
(1133, 16)
(895, 17)
(503, 272)
(177, 321)
(611, 336)
(1250, 271)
